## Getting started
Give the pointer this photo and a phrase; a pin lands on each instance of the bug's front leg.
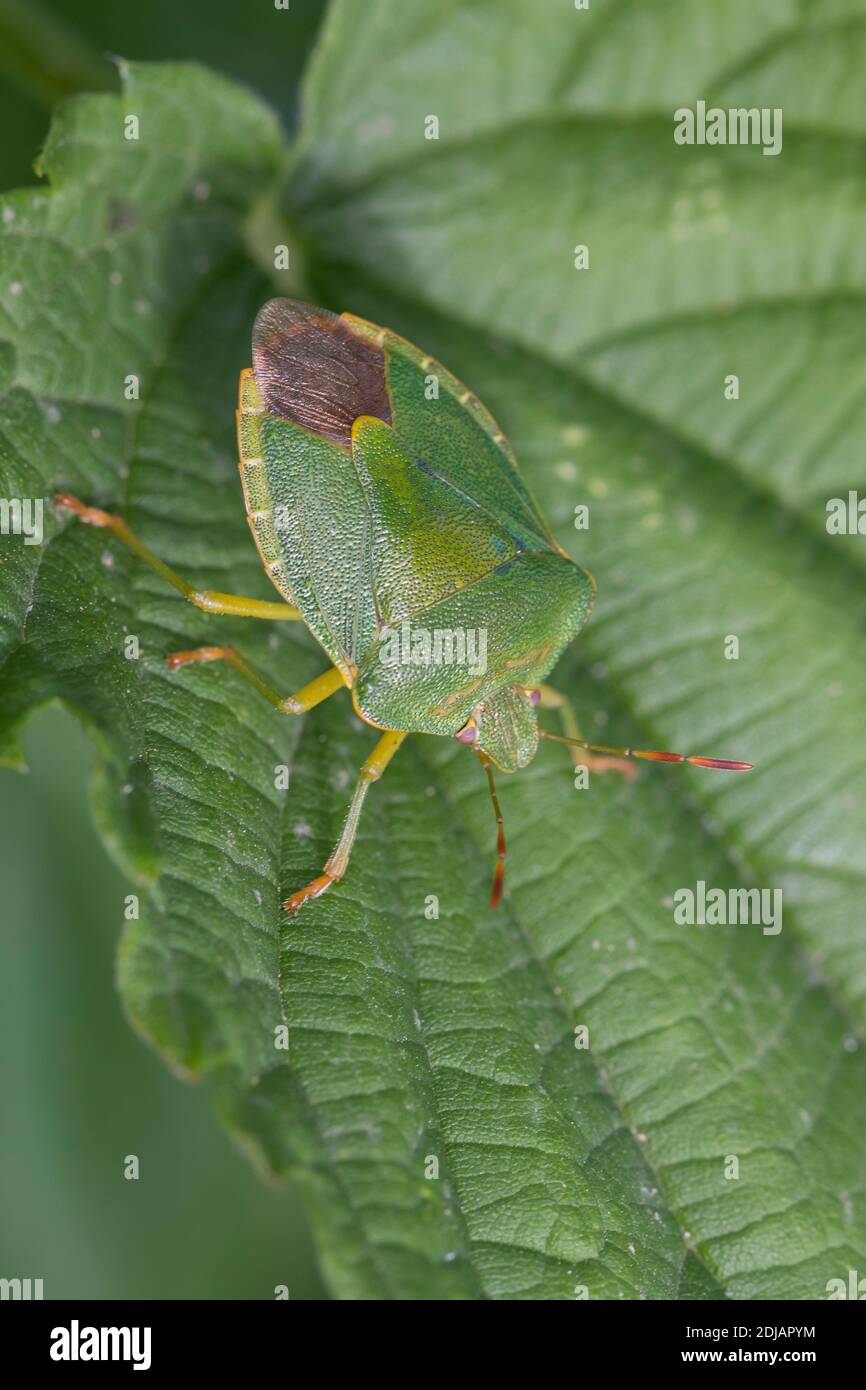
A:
(336, 866)
(596, 762)
(206, 599)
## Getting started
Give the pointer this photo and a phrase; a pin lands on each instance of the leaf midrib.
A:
(646, 123)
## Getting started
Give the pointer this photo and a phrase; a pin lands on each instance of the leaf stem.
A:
(276, 247)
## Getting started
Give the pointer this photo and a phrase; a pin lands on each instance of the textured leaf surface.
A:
(414, 1039)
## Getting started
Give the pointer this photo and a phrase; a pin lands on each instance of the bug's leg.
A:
(206, 599)
(302, 700)
(336, 866)
(596, 762)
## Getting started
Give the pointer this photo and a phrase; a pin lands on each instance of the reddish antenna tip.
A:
(498, 881)
(724, 764)
(499, 876)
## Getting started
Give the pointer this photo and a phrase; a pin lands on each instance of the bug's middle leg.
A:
(336, 866)
(596, 762)
(306, 698)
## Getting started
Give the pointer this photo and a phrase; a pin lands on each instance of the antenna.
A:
(499, 876)
(650, 755)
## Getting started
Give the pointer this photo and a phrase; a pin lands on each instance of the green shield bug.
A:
(398, 528)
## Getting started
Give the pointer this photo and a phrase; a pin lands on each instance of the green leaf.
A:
(453, 1038)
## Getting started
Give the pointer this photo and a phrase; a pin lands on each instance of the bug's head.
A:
(504, 728)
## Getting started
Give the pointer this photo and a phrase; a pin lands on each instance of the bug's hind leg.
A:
(596, 762)
(336, 866)
(302, 700)
(206, 599)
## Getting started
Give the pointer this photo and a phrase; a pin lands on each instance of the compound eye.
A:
(469, 732)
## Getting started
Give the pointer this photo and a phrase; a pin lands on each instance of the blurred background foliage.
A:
(51, 48)
(78, 1090)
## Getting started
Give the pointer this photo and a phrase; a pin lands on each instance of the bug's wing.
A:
(514, 624)
(312, 368)
(430, 538)
(313, 375)
(453, 431)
